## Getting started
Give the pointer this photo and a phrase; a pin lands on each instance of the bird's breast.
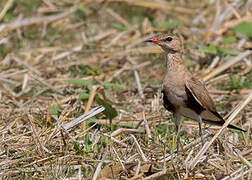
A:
(174, 87)
(176, 95)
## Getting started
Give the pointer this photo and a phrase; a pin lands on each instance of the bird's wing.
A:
(201, 99)
(198, 91)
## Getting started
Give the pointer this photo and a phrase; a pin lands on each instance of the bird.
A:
(183, 94)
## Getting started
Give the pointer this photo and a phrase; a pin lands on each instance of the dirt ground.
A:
(80, 90)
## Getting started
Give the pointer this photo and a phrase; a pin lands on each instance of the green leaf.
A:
(83, 96)
(88, 143)
(228, 51)
(9, 16)
(83, 9)
(114, 86)
(78, 148)
(119, 26)
(171, 24)
(244, 28)
(54, 110)
(90, 122)
(229, 40)
(80, 82)
(109, 111)
(237, 83)
(211, 49)
(91, 71)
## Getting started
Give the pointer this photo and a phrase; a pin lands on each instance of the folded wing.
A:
(201, 100)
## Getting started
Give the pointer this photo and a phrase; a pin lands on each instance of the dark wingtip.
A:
(220, 123)
(236, 128)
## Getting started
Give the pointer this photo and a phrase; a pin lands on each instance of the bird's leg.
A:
(200, 130)
(176, 116)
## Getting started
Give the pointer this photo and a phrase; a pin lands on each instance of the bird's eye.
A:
(169, 39)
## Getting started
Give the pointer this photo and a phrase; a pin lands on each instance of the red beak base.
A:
(153, 40)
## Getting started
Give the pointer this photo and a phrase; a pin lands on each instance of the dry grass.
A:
(60, 58)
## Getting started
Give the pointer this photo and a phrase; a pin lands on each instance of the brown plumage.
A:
(182, 93)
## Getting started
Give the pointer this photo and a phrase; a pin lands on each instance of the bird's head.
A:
(169, 43)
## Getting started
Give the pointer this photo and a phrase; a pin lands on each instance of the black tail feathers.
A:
(220, 123)
(237, 128)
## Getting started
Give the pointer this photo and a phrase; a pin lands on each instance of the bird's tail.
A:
(235, 127)
(220, 123)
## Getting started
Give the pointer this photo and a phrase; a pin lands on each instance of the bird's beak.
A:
(148, 40)
(152, 40)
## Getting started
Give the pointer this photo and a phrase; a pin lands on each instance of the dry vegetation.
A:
(62, 59)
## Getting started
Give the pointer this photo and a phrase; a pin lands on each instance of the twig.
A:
(82, 118)
(49, 3)
(242, 174)
(208, 144)
(85, 41)
(126, 67)
(186, 162)
(233, 173)
(117, 73)
(137, 177)
(120, 161)
(90, 102)
(155, 102)
(35, 136)
(137, 42)
(213, 63)
(156, 175)
(118, 131)
(18, 60)
(8, 81)
(118, 17)
(117, 141)
(65, 100)
(6, 8)
(34, 20)
(39, 161)
(241, 43)
(176, 171)
(168, 156)
(226, 14)
(243, 159)
(99, 166)
(227, 65)
(139, 86)
(146, 126)
(248, 5)
(101, 36)
(231, 23)
(157, 5)
(199, 17)
(138, 168)
(25, 82)
(139, 149)
(120, 35)
(67, 53)
(217, 13)
(42, 81)
(4, 40)
(91, 98)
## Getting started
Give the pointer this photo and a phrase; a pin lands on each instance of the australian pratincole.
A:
(183, 94)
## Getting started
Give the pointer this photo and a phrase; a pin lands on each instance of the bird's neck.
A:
(173, 61)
